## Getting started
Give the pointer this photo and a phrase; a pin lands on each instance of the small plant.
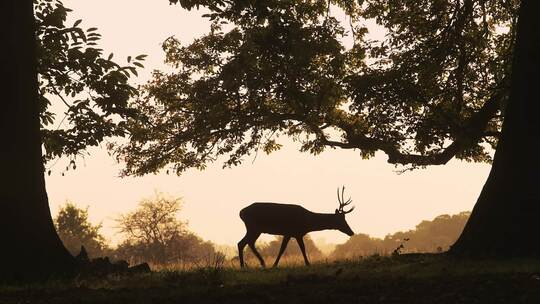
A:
(399, 248)
(214, 261)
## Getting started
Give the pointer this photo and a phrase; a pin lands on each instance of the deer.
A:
(289, 221)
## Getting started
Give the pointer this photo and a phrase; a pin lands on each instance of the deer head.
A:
(340, 213)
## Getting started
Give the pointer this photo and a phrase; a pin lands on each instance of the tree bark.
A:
(505, 219)
(30, 249)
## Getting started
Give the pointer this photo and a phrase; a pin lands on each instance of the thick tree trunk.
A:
(30, 247)
(505, 220)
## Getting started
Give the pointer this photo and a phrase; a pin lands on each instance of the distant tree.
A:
(428, 236)
(190, 248)
(46, 61)
(271, 249)
(153, 233)
(76, 230)
(359, 245)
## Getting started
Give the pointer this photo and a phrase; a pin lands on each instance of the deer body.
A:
(286, 219)
(289, 221)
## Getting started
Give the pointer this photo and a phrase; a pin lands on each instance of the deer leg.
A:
(300, 241)
(241, 245)
(282, 249)
(251, 244)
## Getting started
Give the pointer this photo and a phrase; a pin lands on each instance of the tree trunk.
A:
(30, 249)
(505, 219)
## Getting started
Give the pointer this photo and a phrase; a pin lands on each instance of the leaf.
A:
(65, 51)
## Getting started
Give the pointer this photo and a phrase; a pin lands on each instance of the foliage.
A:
(432, 89)
(75, 72)
(153, 233)
(75, 230)
(428, 236)
(360, 245)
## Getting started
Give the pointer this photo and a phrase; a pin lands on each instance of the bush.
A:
(429, 236)
(153, 233)
(75, 230)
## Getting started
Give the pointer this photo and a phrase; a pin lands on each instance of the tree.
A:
(433, 236)
(503, 221)
(75, 230)
(437, 87)
(68, 65)
(428, 236)
(271, 250)
(360, 245)
(430, 91)
(153, 233)
(31, 246)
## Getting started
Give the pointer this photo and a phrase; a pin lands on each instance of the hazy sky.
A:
(385, 201)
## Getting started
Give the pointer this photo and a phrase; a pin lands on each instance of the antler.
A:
(343, 204)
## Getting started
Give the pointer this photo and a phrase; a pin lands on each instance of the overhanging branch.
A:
(474, 130)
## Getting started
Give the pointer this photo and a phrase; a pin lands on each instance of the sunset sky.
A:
(385, 201)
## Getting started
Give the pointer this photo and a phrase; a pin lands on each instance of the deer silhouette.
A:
(289, 221)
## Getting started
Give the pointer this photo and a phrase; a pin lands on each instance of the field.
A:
(416, 278)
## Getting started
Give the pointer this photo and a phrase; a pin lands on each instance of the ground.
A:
(375, 279)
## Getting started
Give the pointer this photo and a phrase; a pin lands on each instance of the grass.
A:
(420, 278)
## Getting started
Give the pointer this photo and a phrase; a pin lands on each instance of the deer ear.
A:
(337, 211)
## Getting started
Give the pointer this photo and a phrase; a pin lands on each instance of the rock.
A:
(102, 266)
(141, 268)
(121, 265)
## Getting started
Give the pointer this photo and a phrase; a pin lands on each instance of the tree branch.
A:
(473, 131)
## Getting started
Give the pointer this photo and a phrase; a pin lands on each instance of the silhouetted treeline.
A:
(151, 233)
(428, 236)
(185, 248)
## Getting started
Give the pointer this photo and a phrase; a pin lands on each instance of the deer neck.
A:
(322, 221)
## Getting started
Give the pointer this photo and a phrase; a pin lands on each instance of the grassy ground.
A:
(402, 279)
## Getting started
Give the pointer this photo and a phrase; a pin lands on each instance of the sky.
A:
(385, 201)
